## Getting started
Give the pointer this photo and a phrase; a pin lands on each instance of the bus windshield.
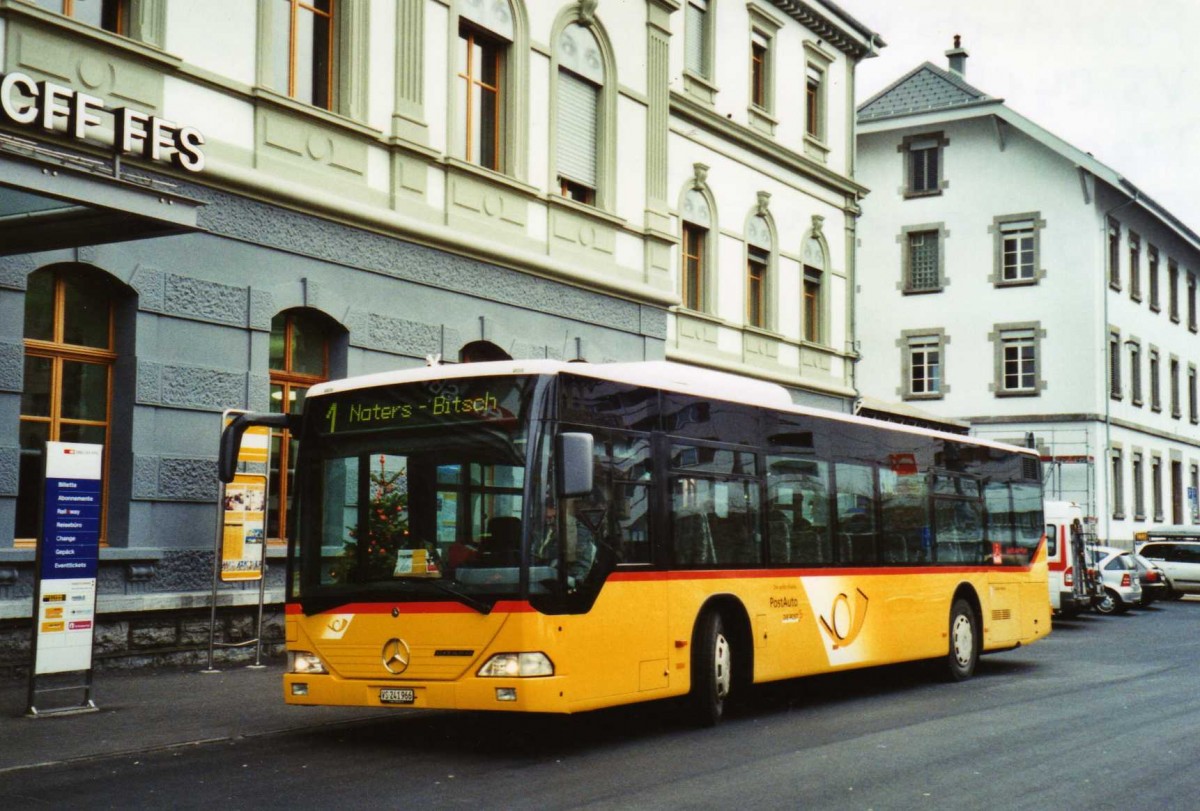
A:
(413, 492)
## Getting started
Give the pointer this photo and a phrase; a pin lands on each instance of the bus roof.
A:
(661, 374)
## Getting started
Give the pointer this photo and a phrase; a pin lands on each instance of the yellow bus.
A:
(560, 537)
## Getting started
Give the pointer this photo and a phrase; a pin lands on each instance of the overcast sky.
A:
(1117, 78)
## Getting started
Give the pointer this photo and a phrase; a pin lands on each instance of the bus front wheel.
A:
(712, 669)
(964, 642)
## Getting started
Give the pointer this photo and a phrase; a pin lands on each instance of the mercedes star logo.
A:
(396, 656)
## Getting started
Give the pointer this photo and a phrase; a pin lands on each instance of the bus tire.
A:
(964, 642)
(712, 670)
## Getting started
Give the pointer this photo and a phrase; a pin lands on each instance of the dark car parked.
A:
(1154, 581)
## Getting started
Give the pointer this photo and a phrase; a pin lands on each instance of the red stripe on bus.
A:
(747, 574)
(386, 606)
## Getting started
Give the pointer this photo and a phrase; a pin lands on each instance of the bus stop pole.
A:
(220, 536)
(262, 597)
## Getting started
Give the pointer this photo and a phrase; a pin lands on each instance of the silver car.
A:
(1179, 560)
(1119, 573)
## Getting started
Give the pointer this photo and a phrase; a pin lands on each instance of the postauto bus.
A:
(560, 537)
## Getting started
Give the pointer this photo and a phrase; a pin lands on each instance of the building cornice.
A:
(697, 114)
(837, 27)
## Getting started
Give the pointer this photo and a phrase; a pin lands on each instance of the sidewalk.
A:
(155, 709)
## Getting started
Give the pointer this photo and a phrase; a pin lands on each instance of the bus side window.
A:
(715, 521)
(904, 501)
(798, 510)
(618, 513)
(856, 539)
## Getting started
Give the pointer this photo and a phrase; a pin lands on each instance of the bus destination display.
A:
(493, 400)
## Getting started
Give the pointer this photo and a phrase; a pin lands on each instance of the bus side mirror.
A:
(231, 437)
(574, 464)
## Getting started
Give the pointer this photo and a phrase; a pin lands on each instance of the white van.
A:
(1175, 550)
(1070, 577)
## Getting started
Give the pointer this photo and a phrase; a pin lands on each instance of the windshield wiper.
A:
(481, 606)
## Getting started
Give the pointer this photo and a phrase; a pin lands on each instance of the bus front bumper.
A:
(540, 694)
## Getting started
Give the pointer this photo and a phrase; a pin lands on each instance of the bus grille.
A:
(999, 614)
(366, 662)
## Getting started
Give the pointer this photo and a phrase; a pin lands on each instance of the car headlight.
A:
(517, 665)
(302, 661)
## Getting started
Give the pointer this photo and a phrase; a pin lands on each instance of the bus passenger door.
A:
(619, 646)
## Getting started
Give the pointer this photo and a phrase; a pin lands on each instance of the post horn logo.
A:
(846, 620)
(396, 656)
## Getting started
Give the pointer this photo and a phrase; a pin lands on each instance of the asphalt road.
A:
(1105, 713)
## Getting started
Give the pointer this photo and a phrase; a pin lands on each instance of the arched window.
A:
(480, 352)
(813, 290)
(759, 248)
(300, 344)
(695, 271)
(580, 115)
(485, 62)
(70, 352)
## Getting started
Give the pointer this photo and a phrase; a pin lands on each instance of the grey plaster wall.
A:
(192, 336)
(195, 340)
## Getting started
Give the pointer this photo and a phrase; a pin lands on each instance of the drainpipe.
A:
(1107, 366)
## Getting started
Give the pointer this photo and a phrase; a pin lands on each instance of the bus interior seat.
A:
(733, 541)
(693, 539)
(502, 547)
(856, 547)
(812, 546)
(781, 537)
(895, 548)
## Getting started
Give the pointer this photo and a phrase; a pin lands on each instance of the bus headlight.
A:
(302, 661)
(517, 665)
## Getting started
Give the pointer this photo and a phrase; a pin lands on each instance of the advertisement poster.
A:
(244, 527)
(65, 611)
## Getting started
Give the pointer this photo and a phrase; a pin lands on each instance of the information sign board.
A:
(69, 553)
(244, 527)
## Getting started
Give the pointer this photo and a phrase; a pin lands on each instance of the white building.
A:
(1029, 290)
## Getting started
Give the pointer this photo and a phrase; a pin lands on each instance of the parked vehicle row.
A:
(1165, 565)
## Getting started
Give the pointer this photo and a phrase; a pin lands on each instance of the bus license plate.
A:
(397, 695)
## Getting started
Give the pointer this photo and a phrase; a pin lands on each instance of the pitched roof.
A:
(928, 88)
(925, 88)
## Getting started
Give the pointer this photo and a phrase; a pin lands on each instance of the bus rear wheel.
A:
(712, 670)
(964, 642)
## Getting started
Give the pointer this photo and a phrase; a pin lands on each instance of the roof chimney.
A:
(958, 57)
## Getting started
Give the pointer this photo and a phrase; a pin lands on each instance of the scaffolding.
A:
(1068, 463)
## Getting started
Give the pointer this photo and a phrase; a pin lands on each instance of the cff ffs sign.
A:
(30, 103)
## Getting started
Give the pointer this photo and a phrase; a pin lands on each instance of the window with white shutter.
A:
(580, 83)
